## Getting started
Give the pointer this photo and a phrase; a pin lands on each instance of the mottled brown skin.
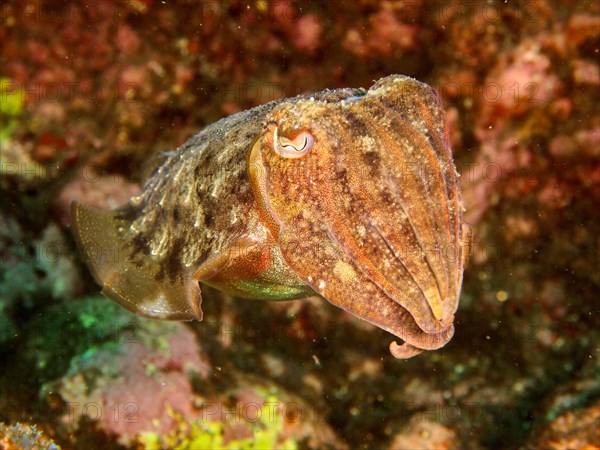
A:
(368, 214)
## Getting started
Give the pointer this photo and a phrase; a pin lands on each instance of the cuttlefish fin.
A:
(138, 282)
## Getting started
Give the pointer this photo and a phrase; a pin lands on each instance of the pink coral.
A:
(586, 72)
(151, 383)
(385, 34)
(522, 82)
(127, 40)
(307, 33)
(522, 78)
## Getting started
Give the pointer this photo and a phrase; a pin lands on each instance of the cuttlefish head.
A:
(361, 193)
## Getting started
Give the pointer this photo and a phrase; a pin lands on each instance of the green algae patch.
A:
(11, 102)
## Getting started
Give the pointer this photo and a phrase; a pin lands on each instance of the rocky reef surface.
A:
(91, 91)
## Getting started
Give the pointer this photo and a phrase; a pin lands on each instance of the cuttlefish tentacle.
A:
(460, 235)
(384, 226)
(426, 111)
(433, 117)
(420, 205)
(420, 106)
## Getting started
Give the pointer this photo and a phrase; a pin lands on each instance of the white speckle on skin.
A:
(216, 187)
(136, 200)
(188, 195)
(179, 172)
(199, 219)
(322, 284)
(158, 248)
(361, 231)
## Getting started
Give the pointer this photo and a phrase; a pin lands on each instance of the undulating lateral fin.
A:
(136, 282)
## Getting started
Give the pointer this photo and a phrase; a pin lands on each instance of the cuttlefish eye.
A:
(293, 148)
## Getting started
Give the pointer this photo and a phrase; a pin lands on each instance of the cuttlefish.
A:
(350, 194)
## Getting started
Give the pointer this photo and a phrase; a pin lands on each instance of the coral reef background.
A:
(90, 91)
